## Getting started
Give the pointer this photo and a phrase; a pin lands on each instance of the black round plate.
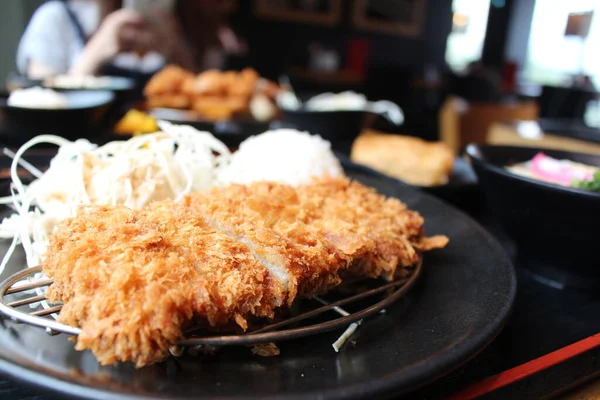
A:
(460, 304)
(462, 189)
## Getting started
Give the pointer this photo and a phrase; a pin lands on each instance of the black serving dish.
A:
(84, 117)
(552, 225)
(338, 127)
(461, 190)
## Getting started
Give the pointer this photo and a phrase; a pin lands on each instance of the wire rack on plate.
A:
(22, 300)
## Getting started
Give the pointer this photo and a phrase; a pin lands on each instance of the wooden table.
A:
(587, 391)
(528, 134)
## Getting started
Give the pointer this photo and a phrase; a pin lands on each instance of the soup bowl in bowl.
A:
(555, 227)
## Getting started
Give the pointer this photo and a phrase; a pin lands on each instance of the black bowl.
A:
(555, 227)
(125, 91)
(338, 127)
(85, 117)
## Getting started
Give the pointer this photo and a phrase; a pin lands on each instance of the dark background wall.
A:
(276, 44)
(394, 61)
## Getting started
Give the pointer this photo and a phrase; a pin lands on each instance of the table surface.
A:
(530, 134)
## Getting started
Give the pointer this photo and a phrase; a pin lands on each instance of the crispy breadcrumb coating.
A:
(212, 94)
(134, 280)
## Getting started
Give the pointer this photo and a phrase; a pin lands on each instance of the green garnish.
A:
(592, 186)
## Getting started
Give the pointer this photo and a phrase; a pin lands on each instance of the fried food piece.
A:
(134, 280)
(355, 217)
(228, 79)
(188, 86)
(212, 83)
(379, 237)
(244, 85)
(168, 80)
(304, 263)
(209, 83)
(169, 100)
(409, 159)
(213, 94)
(219, 108)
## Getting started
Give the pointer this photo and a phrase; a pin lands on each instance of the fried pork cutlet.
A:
(375, 234)
(304, 263)
(133, 280)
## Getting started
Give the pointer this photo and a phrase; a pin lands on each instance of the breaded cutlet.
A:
(374, 235)
(305, 263)
(133, 280)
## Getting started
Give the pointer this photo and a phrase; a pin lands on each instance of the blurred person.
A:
(205, 23)
(97, 37)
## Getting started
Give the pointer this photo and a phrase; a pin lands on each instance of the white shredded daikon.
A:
(337, 345)
(167, 164)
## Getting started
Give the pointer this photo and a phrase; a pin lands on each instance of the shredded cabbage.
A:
(167, 164)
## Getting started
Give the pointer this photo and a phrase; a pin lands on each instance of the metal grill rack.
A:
(16, 302)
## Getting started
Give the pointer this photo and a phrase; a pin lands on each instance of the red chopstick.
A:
(529, 368)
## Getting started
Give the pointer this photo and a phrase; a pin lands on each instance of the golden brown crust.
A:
(311, 262)
(373, 233)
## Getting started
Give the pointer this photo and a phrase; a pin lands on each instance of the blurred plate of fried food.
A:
(214, 95)
(232, 105)
(431, 166)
